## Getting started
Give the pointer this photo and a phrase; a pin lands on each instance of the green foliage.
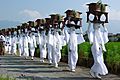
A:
(37, 51)
(101, 5)
(84, 50)
(6, 78)
(113, 52)
(64, 50)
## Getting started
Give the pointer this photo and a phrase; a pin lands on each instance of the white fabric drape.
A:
(42, 45)
(98, 39)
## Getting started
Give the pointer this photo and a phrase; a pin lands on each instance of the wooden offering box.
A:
(54, 20)
(39, 22)
(97, 9)
(18, 27)
(73, 16)
(30, 23)
(48, 21)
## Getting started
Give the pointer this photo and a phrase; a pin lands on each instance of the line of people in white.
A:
(51, 44)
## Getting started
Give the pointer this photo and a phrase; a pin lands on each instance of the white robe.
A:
(72, 51)
(57, 46)
(98, 39)
(43, 52)
(50, 45)
(32, 44)
(38, 39)
(62, 36)
(73, 39)
(14, 44)
(20, 44)
(25, 45)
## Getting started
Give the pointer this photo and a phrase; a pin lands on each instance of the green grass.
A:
(6, 78)
(84, 50)
(113, 52)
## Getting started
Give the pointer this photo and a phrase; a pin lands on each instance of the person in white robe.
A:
(98, 38)
(20, 42)
(9, 43)
(14, 43)
(32, 43)
(50, 45)
(25, 44)
(43, 50)
(57, 46)
(73, 39)
(37, 36)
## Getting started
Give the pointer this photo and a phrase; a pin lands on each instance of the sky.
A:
(25, 10)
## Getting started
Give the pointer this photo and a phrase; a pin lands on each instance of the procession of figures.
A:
(51, 34)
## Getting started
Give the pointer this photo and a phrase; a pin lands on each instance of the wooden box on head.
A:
(56, 20)
(97, 10)
(48, 22)
(73, 16)
(24, 26)
(38, 23)
(30, 24)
